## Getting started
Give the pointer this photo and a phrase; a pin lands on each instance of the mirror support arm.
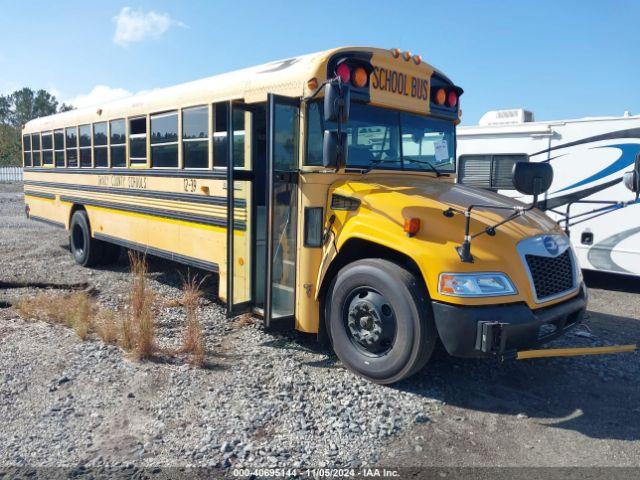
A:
(464, 249)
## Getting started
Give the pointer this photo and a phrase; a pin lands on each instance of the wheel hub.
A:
(370, 322)
(364, 323)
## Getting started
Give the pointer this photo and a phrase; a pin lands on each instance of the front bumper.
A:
(483, 331)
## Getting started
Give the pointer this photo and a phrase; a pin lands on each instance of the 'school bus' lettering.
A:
(387, 80)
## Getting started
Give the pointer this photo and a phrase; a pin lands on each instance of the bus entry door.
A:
(283, 116)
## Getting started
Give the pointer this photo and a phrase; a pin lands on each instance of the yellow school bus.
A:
(321, 189)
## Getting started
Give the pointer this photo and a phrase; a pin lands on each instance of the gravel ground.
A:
(280, 399)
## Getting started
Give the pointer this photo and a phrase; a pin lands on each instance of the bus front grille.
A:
(551, 275)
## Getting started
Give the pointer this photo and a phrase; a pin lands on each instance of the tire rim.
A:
(370, 321)
(77, 239)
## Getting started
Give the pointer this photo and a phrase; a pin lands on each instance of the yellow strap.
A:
(572, 352)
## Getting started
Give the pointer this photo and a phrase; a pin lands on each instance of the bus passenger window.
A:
(26, 150)
(118, 143)
(138, 141)
(35, 149)
(47, 148)
(164, 140)
(84, 140)
(58, 146)
(100, 144)
(238, 140)
(72, 144)
(220, 114)
(195, 134)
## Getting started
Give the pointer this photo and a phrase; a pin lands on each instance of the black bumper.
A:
(482, 331)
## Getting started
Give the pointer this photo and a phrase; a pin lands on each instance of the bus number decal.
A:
(190, 184)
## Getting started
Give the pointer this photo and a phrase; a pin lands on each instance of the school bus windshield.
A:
(388, 139)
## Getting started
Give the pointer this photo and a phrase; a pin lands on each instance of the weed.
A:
(106, 326)
(75, 310)
(80, 310)
(142, 318)
(193, 340)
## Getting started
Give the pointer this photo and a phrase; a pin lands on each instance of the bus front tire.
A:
(86, 250)
(380, 321)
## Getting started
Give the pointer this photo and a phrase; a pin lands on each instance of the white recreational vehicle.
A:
(589, 157)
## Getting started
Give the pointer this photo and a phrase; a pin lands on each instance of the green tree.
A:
(18, 108)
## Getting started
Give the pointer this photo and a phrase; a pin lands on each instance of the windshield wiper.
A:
(375, 163)
(431, 166)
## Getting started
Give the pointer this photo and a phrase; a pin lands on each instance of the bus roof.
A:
(286, 77)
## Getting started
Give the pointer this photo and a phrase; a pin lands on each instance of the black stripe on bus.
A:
(155, 194)
(173, 215)
(48, 196)
(133, 172)
(51, 223)
(176, 257)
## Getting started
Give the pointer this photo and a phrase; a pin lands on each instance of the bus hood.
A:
(384, 202)
(427, 198)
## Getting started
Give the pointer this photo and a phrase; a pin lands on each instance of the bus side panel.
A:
(309, 258)
(200, 242)
(48, 209)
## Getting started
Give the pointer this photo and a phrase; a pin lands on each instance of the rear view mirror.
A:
(632, 179)
(532, 178)
(334, 151)
(337, 98)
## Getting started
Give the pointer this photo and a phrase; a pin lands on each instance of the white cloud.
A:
(99, 95)
(135, 26)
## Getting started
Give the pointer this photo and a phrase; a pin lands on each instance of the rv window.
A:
(489, 171)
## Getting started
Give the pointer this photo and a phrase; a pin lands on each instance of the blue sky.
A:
(561, 59)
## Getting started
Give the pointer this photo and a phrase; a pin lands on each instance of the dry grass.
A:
(133, 330)
(106, 326)
(243, 320)
(125, 339)
(44, 306)
(172, 303)
(81, 309)
(193, 339)
(75, 310)
(140, 326)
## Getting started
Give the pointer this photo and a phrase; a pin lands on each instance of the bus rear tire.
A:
(86, 250)
(380, 321)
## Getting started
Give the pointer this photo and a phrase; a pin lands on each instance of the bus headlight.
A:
(486, 284)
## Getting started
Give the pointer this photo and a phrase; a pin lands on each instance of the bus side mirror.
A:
(334, 149)
(337, 99)
(532, 178)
